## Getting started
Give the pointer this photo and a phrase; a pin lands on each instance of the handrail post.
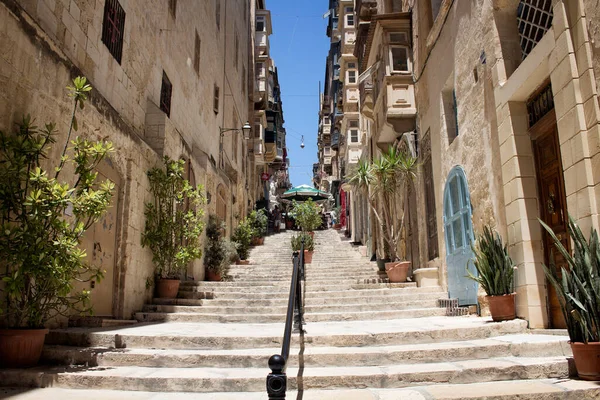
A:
(298, 317)
(277, 379)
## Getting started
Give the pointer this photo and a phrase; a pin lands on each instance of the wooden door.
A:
(552, 202)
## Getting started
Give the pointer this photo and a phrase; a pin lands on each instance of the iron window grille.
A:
(540, 104)
(166, 90)
(113, 26)
(534, 18)
(216, 99)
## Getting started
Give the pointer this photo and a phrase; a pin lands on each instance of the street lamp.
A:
(245, 130)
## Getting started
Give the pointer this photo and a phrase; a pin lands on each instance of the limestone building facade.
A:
(168, 78)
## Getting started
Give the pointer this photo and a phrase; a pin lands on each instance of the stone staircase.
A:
(362, 341)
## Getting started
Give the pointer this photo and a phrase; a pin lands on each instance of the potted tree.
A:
(214, 250)
(385, 183)
(495, 271)
(242, 237)
(578, 290)
(307, 215)
(309, 246)
(42, 221)
(174, 223)
(258, 220)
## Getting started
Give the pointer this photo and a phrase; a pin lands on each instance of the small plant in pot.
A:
(307, 215)
(495, 274)
(258, 220)
(242, 237)
(309, 246)
(578, 290)
(174, 223)
(43, 218)
(386, 183)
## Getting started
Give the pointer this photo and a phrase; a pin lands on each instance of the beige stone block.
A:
(585, 202)
(587, 85)
(579, 147)
(510, 191)
(533, 295)
(559, 21)
(595, 161)
(585, 174)
(527, 228)
(593, 138)
(575, 10)
(566, 155)
(571, 123)
(591, 111)
(522, 310)
(47, 19)
(572, 205)
(564, 72)
(537, 317)
(562, 49)
(565, 99)
(75, 11)
(579, 33)
(570, 177)
(531, 274)
(584, 57)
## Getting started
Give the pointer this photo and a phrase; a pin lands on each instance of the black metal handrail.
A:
(277, 379)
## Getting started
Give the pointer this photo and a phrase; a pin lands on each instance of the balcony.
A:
(279, 154)
(261, 41)
(366, 8)
(259, 151)
(365, 89)
(335, 140)
(327, 160)
(326, 129)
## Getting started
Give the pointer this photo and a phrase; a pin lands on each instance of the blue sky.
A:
(299, 46)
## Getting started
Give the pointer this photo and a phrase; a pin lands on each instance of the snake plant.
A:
(493, 264)
(578, 286)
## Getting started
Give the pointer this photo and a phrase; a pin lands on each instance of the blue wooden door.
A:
(459, 235)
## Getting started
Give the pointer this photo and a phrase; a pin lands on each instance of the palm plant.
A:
(385, 182)
(578, 287)
(493, 264)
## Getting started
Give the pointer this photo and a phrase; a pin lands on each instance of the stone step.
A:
(531, 389)
(175, 335)
(312, 275)
(258, 318)
(310, 286)
(281, 307)
(524, 345)
(283, 295)
(137, 378)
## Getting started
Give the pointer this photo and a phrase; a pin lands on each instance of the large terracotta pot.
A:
(308, 256)
(21, 348)
(167, 288)
(258, 241)
(502, 308)
(242, 262)
(337, 227)
(587, 360)
(397, 271)
(212, 276)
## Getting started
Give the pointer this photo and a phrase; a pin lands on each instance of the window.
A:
(165, 95)
(399, 59)
(216, 99)
(326, 121)
(351, 76)
(353, 132)
(260, 70)
(450, 113)
(257, 128)
(218, 13)
(197, 54)
(398, 38)
(534, 18)
(113, 26)
(173, 8)
(327, 151)
(349, 16)
(260, 24)
(351, 65)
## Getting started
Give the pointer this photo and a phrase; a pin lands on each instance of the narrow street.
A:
(365, 339)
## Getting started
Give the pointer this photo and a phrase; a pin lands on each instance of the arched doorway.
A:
(458, 230)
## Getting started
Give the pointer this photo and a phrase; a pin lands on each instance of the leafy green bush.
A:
(307, 215)
(308, 242)
(494, 265)
(258, 220)
(242, 236)
(40, 243)
(214, 250)
(174, 221)
(578, 287)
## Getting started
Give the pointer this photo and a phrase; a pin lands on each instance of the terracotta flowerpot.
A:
(397, 271)
(312, 234)
(167, 288)
(502, 308)
(21, 348)
(587, 360)
(308, 256)
(337, 227)
(212, 276)
(242, 262)
(258, 241)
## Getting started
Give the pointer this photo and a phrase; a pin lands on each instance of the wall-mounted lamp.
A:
(302, 142)
(245, 130)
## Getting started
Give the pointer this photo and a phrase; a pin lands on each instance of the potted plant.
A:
(336, 213)
(495, 271)
(578, 291)
(214, 250)
(309, 246)
(42, 221)
(386, 182)
(307, 215)
(174, 223)
(242, 236)
(258, 220)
